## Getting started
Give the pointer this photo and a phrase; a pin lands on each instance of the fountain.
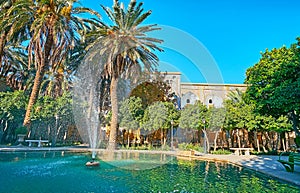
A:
(86, 98)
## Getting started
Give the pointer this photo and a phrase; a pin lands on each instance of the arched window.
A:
(188, 101)
(210, 101)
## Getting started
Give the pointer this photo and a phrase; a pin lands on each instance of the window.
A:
(187, 101)
(210, 101)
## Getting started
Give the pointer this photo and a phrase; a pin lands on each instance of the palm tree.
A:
(126, 49)
(13, 67)
(53, 27)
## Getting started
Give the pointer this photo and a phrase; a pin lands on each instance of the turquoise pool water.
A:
(66, 172)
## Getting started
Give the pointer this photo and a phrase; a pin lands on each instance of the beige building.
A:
(210, 94)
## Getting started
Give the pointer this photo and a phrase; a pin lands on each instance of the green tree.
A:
(131, 113)
(125, 48)
(195, 117)
(53, 27)
(240, 115)
(216, 119)
(274, 83)
(56, 113)
(13, 57)
(12, 111)
(159, 116)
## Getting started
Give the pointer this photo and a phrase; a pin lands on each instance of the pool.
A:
(62, 171)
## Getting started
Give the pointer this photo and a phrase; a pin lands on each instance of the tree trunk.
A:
(215, 140)
(39, 75)
(114, 118)
(256, 141)
(286, 140)
(2, 44)
(277, 141)
(295, 120)
(268, 140)
(282, 136)
(238, 138)
(34, 94)
(206, 140)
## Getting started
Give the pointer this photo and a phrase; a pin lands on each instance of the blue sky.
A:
(232, 32)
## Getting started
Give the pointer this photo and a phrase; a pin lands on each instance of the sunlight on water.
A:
(65, 172)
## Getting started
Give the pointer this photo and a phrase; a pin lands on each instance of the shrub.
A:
(21, 130)
(190, 146)
(221, 152)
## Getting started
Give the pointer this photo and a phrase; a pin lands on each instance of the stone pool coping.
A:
(263, 163)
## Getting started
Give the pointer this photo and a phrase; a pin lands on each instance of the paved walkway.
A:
(264, 164)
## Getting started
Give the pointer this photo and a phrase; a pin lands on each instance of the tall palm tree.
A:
(126, 49)
(54, 26)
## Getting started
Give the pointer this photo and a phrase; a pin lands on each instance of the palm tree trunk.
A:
(114, 118)
(40, 72)
(2, 43)
(34, 94)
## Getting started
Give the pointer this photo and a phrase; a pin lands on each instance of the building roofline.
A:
(213, 84)
(170, 73)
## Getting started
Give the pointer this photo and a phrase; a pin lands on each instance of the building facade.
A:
(208, 93)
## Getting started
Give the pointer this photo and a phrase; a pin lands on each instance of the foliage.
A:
(190, 146)
(159, 116)
(54, 114)
(192, 116)
(274, 83)
(221, 152)
(149, 92)
(21, 130)
(50, 29)
(12, 105)
(131, 113)
(48, 108)
(216, 118)
(12, 111)
(240, 115)
(124, 48)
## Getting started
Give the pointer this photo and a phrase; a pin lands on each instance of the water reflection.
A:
(134, 160)
(127, 172)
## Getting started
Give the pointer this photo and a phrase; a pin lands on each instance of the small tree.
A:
(159, 116)
(216, 118)
(194, 117)
(131, 113)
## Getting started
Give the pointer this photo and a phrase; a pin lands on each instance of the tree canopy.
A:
(274, 83)
(193, 116)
